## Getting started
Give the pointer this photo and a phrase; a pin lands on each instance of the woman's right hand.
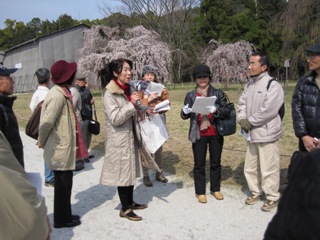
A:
(135, 97)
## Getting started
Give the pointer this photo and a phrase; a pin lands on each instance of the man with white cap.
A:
(8, 121)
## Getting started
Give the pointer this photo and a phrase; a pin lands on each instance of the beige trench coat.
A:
(57, 130)
(122, 164)
(23, 213)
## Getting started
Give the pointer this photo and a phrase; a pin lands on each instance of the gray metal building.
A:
(43, 52)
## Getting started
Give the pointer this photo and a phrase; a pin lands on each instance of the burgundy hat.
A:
(61, 71)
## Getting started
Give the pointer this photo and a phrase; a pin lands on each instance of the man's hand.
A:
(309, 143)
(245, 124)
(186, 110)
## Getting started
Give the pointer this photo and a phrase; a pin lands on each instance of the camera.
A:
(139, 86)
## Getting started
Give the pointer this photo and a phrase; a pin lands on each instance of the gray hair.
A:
(43, 75)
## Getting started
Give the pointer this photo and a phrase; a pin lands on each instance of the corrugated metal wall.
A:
(43, 52)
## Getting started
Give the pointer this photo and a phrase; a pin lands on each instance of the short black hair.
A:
(264, 59)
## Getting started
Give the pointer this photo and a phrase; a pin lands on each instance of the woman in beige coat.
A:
(60, 136)
(122, 163)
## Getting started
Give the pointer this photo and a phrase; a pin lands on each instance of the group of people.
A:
(64, 141)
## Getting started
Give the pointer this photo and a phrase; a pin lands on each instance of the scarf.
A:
(125, 88)
(82, 152)
(204, 123)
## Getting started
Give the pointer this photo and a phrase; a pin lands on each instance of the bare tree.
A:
(228, 61)
(142, 46)
(171, 19)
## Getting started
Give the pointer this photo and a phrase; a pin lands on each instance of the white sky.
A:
(26, 10)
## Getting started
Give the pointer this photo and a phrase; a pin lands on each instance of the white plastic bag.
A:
(154, 132)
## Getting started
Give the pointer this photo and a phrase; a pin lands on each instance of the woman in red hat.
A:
(60, 136)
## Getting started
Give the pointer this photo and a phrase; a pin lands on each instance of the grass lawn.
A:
(177, 152)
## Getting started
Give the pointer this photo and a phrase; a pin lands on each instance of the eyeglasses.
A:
(312, 56)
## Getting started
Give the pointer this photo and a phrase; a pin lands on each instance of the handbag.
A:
(94, 125)
(153, 132)
(32, 128)
(228, 125)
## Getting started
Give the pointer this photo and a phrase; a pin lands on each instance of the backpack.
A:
(282, 109)
(32, 128)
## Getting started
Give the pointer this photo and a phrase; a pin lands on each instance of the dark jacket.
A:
(194, 132)
(9, 126)
(86, 97)
(298, 213)
(306, 108)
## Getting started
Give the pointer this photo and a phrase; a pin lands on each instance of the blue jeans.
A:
(48, 174)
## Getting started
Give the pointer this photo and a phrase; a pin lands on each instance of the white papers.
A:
(162, 106)
(155, 88)
(202, 103)
(35, 179)
(245, 135)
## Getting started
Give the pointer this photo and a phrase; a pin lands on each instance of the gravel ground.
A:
(173, 210)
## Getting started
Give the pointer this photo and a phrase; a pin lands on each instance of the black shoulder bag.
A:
(227, 126)
(94, 125)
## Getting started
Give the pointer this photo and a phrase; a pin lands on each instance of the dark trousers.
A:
(62, 196)
(199, 172)
(126, 197)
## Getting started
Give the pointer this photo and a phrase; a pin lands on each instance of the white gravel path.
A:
(173, 212)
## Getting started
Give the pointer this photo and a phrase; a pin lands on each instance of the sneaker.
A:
(147, 182)
(252, 199)
(269, 205)
(49, 184)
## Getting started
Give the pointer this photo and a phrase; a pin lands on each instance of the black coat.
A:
(86, 97)
(298, 213)
(9, 126)
(306, 108)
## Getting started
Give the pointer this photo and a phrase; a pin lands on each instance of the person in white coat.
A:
(258, 115)
(43, 78)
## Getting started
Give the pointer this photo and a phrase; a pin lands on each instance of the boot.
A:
(161, 178)
(147, 181)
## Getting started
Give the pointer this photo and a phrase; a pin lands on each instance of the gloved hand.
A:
(245, 124)
(186, 110)
(211, 109)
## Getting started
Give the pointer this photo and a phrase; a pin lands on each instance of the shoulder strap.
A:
(270, 81)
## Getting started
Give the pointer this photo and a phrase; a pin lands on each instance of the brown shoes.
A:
(269, 205)
(137, 206)
(252, 199)
(129, 214)
(161, 178)
(147, 182)
(218, 195)
(202, 198)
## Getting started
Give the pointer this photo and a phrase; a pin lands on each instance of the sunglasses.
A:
(311, 56)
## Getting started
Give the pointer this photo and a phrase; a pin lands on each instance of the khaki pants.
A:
(262, 169)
